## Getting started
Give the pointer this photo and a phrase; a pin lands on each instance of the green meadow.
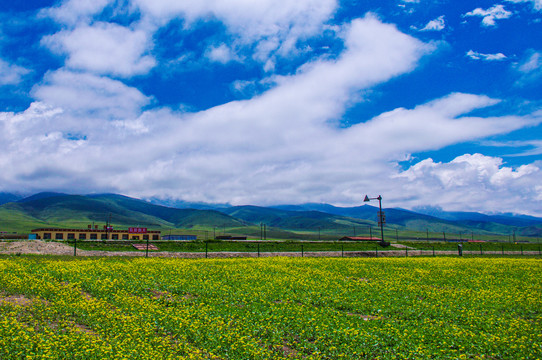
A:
(270, 308)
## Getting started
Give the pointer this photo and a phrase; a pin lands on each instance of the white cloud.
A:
(437, 124)
(90, 95)
(474, 182)
(275, 29)
(537, 4)
(497, 12)
(11, 74)
(76, 11)
(437, 24)
(487, 57)
(282, 146)
(268, 139)
(532, 63)
(529, 68)
(104, 48)
(534, 147)
(222, 54)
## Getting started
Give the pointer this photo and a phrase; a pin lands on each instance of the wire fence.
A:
(299, 248)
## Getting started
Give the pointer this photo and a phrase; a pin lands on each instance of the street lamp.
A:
(380, 215)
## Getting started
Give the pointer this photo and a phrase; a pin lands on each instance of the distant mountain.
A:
(504, 219)
(180, 204)
(8, 197)
(295, 220)
(77, 210)
(57, 209)
(434, 220)
(42, 195)
(359, 212)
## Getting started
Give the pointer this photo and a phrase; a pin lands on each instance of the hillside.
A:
(453, 222)
(8, 197)
(296, 220)
(79, 211)
(61, 210)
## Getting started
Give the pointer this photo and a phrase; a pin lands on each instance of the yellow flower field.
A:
(270, 308)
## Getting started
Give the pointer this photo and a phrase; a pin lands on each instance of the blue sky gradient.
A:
(428, 103)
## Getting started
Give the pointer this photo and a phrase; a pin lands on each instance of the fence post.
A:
(521, 250)
(481, 253)
(302, 250)
(258, 249)
(75, 246)
(433, 251)
(206, 249)
(342, 250)
(376, 250)
(502, 248)
(406, 251)
(147, 250)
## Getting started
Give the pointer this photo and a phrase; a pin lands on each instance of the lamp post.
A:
(380, 214)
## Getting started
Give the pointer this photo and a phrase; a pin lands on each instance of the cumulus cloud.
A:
(268, 139)
(222, 54)
(73, 12)
(497, 12)
(104, 48)
(11, 74)
(274, 29)
(437, 24)
(90, 95)
(486, 57)
(472, 181)
(282, 146)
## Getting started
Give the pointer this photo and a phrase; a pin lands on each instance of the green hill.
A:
(79, 211)
(296, 220)
(289, 221)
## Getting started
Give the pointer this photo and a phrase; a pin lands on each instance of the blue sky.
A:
(427, 103)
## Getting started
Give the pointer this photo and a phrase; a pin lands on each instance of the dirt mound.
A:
(35, 247)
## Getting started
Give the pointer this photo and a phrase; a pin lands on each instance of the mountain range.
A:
(63, 210)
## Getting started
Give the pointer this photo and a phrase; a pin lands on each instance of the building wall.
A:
(180, 237)
(93, 234)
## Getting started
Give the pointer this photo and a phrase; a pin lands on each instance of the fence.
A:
(299, 248)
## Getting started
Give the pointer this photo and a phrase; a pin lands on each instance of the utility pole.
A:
(381, 217)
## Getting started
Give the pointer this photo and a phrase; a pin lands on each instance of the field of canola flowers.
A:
(270, 308)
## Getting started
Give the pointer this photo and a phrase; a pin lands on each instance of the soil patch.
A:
(16, 300)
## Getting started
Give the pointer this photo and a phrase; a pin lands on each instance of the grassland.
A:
(271, 308)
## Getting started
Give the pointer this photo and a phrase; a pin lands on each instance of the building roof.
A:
(92, 230)
(360, 238)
